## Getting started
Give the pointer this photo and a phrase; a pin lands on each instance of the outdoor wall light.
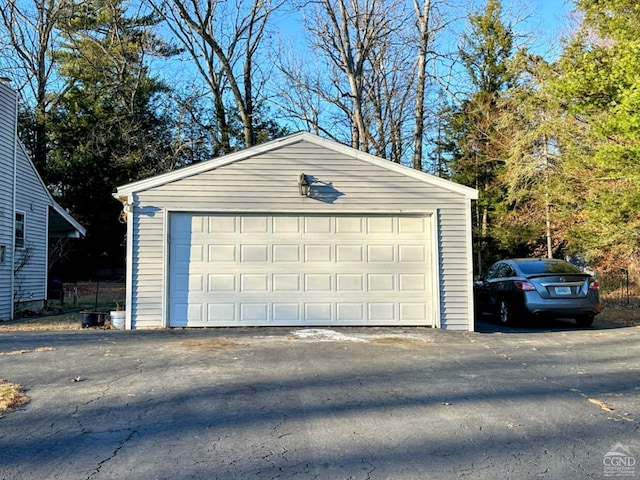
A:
(303, 185)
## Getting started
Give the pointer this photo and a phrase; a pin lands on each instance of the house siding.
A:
(20, 284)
(7, 147)
(32, 200)
(268, 182)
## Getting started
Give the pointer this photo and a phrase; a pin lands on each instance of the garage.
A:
(265, 269)
(299, 231)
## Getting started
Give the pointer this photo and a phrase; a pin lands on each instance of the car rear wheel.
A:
(506, 313)
(584, 320)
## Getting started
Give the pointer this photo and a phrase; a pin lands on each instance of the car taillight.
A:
(524, 286)
(594, 285)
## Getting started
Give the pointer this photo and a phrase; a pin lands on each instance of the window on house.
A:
(19, 230)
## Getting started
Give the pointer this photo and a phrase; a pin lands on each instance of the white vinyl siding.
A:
(7, 147)
(24, 193)
(268, 182)
(34, 201)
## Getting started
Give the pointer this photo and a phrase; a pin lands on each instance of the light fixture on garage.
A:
(303, 185)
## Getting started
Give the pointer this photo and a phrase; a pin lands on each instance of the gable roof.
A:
(61, 223)
(141, 185)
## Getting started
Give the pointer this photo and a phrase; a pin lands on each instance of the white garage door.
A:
(263, 269)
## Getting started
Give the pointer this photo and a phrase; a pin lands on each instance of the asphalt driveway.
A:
(286, 403)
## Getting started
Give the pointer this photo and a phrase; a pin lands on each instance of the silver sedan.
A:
(521, 288)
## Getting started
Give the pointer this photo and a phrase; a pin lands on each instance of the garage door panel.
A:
(318, 312)
(286, 253)
(296, 270)
(254, 253)
(187, 253)
(349, 282)
(222, 283)
(349, 253)
(413, 282)
(286, 312)
(254, 312)
(254, 225)
(382, 311)
(349, 312)
(222, 253)
(380, 225)
(412, 253)
(317, 224)
(254, 282)
(219, 224)
(223, 313)
(318, 282)
(381, 253)
(285, 224)
(318, 253)
(412, 311)
(349, 225)
(286, 282)
(411, 225)
(381, 282)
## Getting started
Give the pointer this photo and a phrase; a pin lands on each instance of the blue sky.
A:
(548, 20)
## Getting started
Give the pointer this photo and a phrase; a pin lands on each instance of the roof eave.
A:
(76, 230)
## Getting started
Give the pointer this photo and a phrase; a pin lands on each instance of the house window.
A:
(19, 230)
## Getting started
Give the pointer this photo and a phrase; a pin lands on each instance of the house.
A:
(29, 218)
(300, 231)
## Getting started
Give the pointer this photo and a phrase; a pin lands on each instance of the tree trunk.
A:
(423, 15)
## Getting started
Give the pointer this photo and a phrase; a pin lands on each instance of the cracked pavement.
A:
(332, 403)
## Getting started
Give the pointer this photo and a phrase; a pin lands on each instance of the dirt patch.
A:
(22, 352)
(210, 344)
(11, 396)
(620, 314)
(399, 341)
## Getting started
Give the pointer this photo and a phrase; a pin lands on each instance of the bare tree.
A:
(30, 30)
(389, 92)
(423, 22)
(223, 40)
(348, 33)
(370, 63)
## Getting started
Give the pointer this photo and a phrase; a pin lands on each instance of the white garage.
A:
(298, 232)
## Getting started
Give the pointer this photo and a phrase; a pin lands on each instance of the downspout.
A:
(15, 204)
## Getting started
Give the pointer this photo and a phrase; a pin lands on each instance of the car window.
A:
(493, 271)
(499, 270)
(541, 266)
(503, 271)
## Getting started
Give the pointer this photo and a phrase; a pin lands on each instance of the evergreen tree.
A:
(599, 85)
(535, 218)
(108, 128)
(474, 143)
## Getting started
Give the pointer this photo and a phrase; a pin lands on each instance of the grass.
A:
(11, 396)
(78, 297)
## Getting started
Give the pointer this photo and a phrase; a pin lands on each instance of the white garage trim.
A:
(368, 286)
